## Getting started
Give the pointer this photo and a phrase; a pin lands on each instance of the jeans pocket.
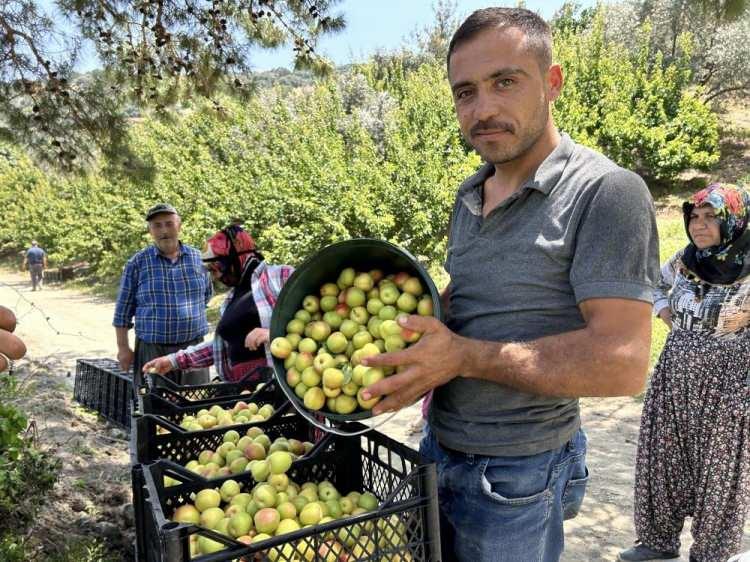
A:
(506, 488)
(575, 490)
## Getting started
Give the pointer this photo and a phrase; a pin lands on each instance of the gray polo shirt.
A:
(580, 228)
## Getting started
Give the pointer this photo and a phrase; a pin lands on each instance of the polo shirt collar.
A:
(544, 178)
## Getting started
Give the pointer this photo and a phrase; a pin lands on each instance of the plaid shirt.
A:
(266, 283)
(168, 299)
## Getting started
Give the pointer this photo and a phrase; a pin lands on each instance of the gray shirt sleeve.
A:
(617, 245)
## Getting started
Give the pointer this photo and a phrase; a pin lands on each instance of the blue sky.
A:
(372, 25)
(385, 25)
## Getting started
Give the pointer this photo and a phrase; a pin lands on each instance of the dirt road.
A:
(60, 325)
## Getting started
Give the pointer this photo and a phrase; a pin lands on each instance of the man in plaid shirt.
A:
(239, 349)
(165, 288)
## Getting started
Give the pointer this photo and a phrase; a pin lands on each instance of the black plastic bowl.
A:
(363, 254)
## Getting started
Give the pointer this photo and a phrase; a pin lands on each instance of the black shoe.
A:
(640, 553)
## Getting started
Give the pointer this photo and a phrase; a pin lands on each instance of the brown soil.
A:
(92, 498)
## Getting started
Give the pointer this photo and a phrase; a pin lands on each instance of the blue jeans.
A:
(507, 509)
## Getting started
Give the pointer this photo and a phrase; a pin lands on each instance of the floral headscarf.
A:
(726, 261)
(230, 252)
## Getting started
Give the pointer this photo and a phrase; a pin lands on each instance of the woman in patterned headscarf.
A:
(694, 445)
(238, 350)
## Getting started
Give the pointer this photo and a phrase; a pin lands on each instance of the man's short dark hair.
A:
(538, 34)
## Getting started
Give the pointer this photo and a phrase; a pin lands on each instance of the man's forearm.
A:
(122, 337)
(573, 364)
(608, 357)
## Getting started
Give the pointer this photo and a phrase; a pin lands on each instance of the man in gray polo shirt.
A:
(552, 256)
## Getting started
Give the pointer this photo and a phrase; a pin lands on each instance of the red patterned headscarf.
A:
(229, 252)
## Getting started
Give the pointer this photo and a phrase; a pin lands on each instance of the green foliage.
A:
(153, 55)
(300, 168)
(375, 151)
(84, 550)
(635, 108)
(24, 482)
(12, 422)
(718, 31)
(671, 239)
(428, 159)
(12, 548)
(571, 18)
(26, 475)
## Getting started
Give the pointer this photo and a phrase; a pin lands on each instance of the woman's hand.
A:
(256, 338)
(11, 346)
(666, 315)
(159, 366)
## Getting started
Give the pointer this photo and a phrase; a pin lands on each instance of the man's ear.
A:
(555, 81)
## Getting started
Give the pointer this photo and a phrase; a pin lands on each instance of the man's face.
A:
(500, 94)
(164, 228)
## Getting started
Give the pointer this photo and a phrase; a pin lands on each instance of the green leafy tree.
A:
(572, 18)
(636, 108)
(718, 29)
(154, 54)
(433, 39)
(373, 151)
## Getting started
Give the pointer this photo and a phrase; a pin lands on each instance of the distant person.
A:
(165, 289)
(11, 346)
(35, 259)
(693, 455)
(239, 350)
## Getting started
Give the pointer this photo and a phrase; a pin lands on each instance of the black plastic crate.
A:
(101, 386)
(179, 448)
(195, 394)
(89, 379)
(169, 410)
(405, 487)
(182, 446)
(139, 507)
(156, 433)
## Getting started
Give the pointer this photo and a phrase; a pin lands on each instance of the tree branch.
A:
(11, 33)
(716, 93)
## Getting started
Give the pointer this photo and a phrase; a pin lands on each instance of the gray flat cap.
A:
(159, 209)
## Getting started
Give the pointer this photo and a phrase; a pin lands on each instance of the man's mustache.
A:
(491, 126)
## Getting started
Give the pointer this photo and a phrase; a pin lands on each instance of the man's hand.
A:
(159, 366)
(434, 360)
(125, 356)
(256, 338)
